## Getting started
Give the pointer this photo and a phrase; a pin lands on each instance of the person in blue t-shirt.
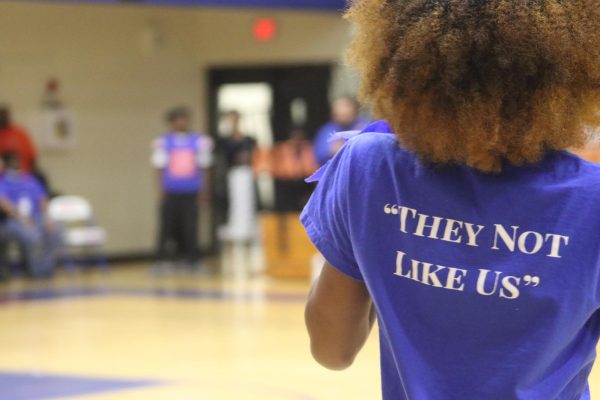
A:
(181, 158)
(345, 116)
(24, 200)
(462, 223)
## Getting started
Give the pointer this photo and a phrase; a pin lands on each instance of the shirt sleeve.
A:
(3, 192)
(38, 190)
(327, 216)
(159, 158)
(322, 147)
(206, 148)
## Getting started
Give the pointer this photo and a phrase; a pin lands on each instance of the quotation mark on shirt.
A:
(531, 280)
(391, 209)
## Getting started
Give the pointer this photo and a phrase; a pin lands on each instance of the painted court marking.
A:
(28, 386)
(187, 294)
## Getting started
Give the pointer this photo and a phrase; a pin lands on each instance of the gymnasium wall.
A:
(120, 68)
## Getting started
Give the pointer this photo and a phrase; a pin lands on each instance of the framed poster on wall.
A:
(56, 129)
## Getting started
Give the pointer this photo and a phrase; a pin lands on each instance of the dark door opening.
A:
(272, 100)
(289, 85)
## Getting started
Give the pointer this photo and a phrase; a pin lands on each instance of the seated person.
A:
(4, 261)
(24, 201)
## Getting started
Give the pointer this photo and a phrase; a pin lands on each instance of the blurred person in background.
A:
(345, 116)
(181, 158)
(24, 201)
(5, 267)
(292, 161)
(15, 139)
(238, 152)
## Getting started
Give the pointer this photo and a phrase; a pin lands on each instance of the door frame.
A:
(218, 75)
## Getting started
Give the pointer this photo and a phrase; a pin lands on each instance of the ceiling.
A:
(330, 5)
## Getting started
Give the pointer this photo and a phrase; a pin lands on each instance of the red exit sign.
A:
(265, 30)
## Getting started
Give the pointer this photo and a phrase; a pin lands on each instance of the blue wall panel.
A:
(331, 5)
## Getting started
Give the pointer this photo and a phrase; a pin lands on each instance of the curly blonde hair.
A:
(481, 82)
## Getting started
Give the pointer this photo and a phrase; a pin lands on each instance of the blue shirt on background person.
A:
(486, 286)
(24, 192)
(324, 147)
(181, 157)
(344, 117)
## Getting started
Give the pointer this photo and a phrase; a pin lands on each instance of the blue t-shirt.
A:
(486, 286)
(24, 192)
(322, 143)
(182, 161)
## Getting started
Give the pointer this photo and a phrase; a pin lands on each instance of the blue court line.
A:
(48, 294)
(28, 386)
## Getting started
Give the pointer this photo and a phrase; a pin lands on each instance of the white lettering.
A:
(557, 240)
(509, 241)
(422, 224)
(403, 215)
(455, 278)
(451, 233)
(537, 246)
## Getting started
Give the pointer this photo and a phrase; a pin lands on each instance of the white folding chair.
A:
(81, 235)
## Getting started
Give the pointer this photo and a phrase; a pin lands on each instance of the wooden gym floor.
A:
(129, 336)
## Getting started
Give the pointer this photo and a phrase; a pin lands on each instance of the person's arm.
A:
(205, 162)
(205, 193)
(159, 182)
(339, 318)
(44, 206)
(9, 208)
(13, 212)
(44, 203)
(339, 312)
(159, 161)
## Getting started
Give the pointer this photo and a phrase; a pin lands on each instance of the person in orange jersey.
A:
(292, 161)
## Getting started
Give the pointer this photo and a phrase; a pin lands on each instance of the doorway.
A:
(299, 93)
(271, 101)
